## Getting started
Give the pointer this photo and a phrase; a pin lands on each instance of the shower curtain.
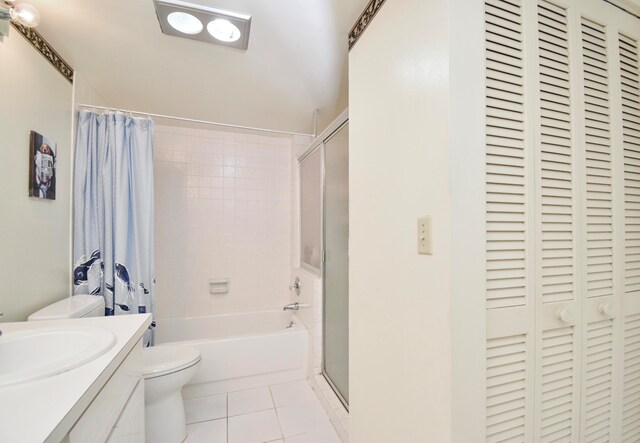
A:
(113, 213)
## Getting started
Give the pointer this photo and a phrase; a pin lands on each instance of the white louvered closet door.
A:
(563, 222)
(509, 394)
(599, 294)
(557, 296)
(629, 67)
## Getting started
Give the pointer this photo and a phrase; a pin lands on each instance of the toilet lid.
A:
(164, 359)
(70, 307)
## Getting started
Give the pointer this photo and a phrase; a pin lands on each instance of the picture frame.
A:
(42, 166)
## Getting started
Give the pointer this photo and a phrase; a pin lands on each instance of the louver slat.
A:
(599, 179)
(599, 380)
(631, 143)
(557, 385)
(556, 156)
(506, 389)
(505, 156)
(631, 398)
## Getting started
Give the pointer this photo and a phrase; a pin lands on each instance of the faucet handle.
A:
(295, 286)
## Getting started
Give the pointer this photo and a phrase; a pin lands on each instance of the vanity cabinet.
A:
(130, 425)
(100, 400)
(116, 414)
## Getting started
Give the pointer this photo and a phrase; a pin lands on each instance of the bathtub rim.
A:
(298, 327)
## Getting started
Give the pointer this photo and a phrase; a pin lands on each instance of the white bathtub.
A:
(239, 351)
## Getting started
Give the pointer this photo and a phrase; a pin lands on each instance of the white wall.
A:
(84, 93)
(223, 210)
(35, 263)
(400, 302)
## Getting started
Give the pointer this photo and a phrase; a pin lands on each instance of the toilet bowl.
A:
(166, 370)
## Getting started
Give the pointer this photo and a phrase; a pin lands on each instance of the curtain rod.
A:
(191, 120)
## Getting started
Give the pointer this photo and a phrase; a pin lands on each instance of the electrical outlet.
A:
(425, 236)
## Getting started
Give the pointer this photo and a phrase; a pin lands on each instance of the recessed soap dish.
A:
(218, 286)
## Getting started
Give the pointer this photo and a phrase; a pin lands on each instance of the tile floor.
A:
(283, 413)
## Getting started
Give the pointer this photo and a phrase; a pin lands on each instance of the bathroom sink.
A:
(43, 352)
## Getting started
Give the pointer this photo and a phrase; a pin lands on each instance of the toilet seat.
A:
(166, 359)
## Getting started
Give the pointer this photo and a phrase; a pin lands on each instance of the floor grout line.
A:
(273, 402)
(226, 405)
(293, 398)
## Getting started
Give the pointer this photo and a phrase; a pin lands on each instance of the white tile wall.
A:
(223, 210)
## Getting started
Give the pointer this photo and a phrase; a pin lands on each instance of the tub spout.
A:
(294, 306)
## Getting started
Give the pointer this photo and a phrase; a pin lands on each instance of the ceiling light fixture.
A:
(24, 13)
(182, 19)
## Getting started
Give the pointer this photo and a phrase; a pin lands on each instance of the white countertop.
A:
(45, 410)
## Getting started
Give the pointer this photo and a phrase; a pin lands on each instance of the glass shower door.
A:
(336, 262)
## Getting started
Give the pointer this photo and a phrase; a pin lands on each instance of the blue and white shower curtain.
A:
(113, 212)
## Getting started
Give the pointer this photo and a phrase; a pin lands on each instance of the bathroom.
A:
(226, 233)
(470, 183)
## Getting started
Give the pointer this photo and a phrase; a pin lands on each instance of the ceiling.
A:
(296, 61)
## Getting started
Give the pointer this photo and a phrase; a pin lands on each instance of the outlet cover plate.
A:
(425, 235)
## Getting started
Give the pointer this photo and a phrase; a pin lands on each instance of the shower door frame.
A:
(319, 143)
(332, 131)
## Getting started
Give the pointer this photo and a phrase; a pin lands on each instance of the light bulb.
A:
(185, 23)
(26, 15)
(223, 30)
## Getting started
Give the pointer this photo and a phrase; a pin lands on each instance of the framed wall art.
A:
(42, 167)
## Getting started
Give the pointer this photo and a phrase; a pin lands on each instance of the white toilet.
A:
(71, 307)
(166, 370)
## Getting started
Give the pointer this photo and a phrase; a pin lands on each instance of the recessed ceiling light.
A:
(184, 22)
(223, 30)
(182, 19)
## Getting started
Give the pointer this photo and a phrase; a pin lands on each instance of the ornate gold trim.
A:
(47, 51)
(363, 21)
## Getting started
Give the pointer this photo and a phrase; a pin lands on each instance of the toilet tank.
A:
(71, 307)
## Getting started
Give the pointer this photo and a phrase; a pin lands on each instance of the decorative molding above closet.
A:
(46, 50)
(363, 21)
